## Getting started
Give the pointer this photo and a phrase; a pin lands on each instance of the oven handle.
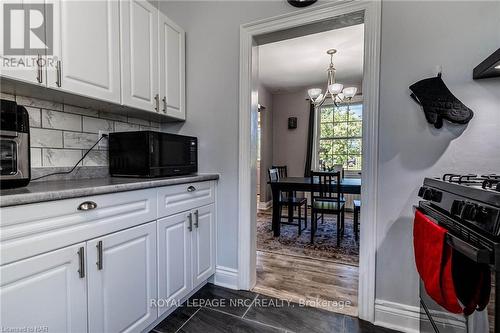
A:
(482, 256)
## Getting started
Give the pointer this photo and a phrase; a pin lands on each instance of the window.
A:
(340, 136)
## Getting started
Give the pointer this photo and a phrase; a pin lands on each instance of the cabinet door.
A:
(45, 291)
(139, 54)
(172, 68)
(121, 289)
(87, 43)
(23, 65)
(174, 259)
(203, 243)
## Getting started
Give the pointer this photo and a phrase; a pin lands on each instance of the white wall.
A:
(290, 145)
(212, 65)
(416, 36)
(266, 138)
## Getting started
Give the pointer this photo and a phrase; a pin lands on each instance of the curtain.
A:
(311, 142)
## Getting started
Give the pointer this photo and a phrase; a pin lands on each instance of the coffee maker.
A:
(15, 166)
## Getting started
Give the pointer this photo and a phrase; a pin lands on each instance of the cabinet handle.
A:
(196, 218)
(191, 189)
(157, 103)
(87, 205)
(39, 72)
(99, 255)
(164, 99)
(58, 78)
(81, 258)
(190, 219)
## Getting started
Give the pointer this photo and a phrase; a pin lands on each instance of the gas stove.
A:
(468, 207)
(472, 200)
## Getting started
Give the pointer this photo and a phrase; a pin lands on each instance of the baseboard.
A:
(264, 205)
(406, 318)
(226, 277)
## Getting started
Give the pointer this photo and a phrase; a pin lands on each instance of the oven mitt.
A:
(439, 103)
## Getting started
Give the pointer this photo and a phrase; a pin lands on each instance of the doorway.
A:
(320, 269)
(251, 35)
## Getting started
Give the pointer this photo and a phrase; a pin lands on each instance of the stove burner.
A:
(492, 184)
(488, 181)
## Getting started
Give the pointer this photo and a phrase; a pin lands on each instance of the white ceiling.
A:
(300, 62)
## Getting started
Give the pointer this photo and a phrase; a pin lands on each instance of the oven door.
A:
(433, 317)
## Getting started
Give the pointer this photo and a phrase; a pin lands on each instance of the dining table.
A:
(304, 184)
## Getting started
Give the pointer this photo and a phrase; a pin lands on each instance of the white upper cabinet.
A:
(139, 54)
(122, 280)
(172, 68)
(22, 63)
(87, 44)
(48, 290)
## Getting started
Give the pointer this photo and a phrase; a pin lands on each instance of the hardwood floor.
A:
(323, 284)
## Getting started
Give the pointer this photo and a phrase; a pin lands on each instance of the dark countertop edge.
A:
(10, 200)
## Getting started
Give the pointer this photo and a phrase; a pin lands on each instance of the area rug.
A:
(325, 240)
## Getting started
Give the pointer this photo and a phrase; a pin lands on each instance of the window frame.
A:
(346, 138)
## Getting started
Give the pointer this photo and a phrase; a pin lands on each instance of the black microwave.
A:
(152, 154)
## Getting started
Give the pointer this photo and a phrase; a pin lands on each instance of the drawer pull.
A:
(190, 221)
(87, 205)
(191, 188)
(99, 255)
(81, 259)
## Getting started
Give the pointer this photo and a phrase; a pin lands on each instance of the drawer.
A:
(179, 198)
(28, 230)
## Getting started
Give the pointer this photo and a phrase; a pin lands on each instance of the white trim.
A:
(226, 277)
(406, 318)
(264, 205)
(247, 188)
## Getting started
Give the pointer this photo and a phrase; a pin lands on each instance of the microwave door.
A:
(174, 152)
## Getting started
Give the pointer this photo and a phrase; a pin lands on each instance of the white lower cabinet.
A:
(174, 259)
(122, 280)
(107, 280)
(203, 244)
(45, 292)
(186, 253)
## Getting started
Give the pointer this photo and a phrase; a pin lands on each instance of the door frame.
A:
(247, 139)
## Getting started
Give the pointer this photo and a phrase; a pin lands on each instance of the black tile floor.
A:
(219, 310)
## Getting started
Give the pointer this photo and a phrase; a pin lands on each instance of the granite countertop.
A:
(41, 191)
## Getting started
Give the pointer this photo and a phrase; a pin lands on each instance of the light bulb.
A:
(314, 93)
(335, 88)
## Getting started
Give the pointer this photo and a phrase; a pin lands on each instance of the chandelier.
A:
(335, 91)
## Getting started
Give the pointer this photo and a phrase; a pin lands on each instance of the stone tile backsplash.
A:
(60, 133)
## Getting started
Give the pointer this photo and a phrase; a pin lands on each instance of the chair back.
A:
(274, 175)
(282, 170)
(328, 185)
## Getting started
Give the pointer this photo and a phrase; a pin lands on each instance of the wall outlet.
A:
(103, 144)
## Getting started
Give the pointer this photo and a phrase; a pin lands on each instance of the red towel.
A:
(433, 260)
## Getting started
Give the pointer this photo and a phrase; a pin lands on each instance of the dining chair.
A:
(283, 173)
(287, 201)
(327, 199)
